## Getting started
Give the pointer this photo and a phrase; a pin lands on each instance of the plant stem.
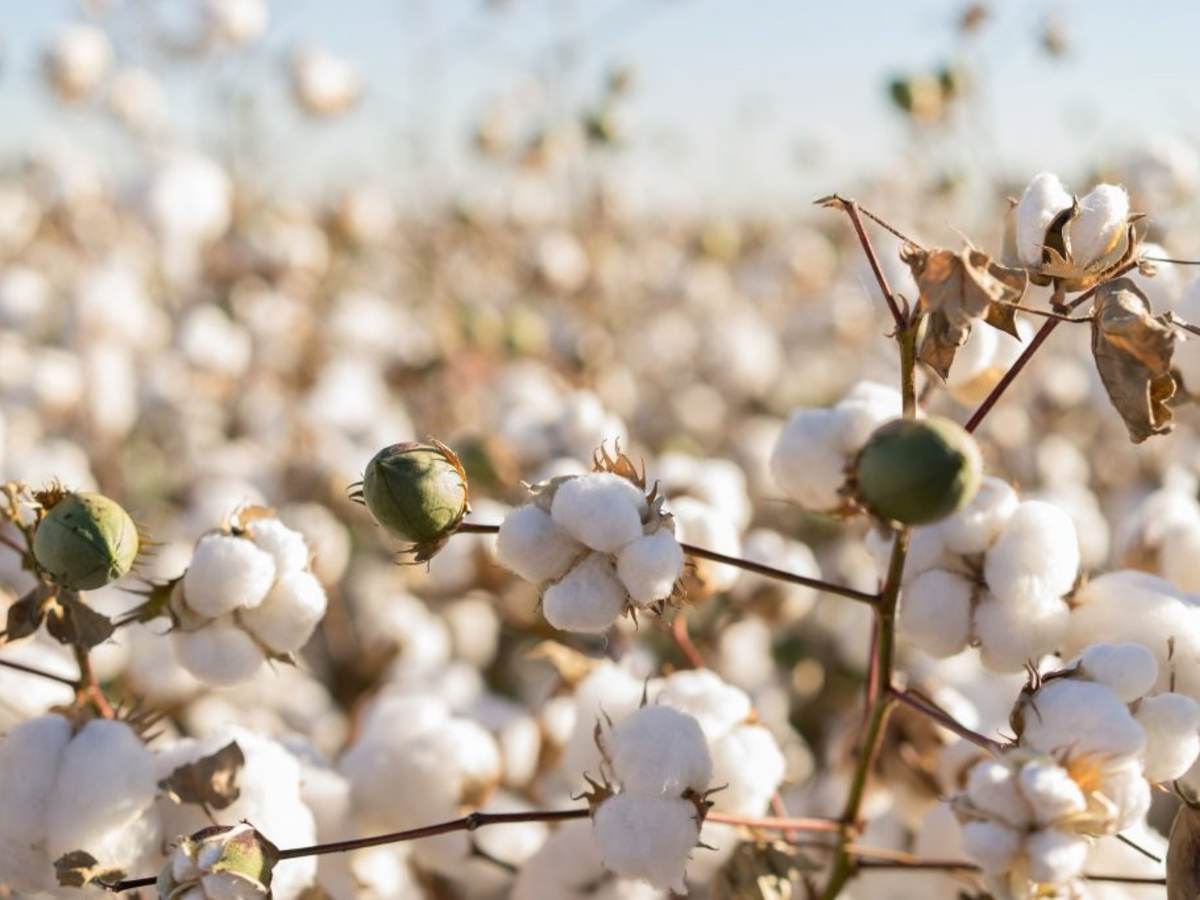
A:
(88, 688)
(683, 640)
(946, 721)
(851, 209)
(775, 823)
(30, 670)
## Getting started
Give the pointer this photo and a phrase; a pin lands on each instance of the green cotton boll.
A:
(917, 471)
(418, 492)
(222, 860)
(86, 541)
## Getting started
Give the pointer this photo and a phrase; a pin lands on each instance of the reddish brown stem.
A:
(683, 640)
(87, 688)
(946, 721)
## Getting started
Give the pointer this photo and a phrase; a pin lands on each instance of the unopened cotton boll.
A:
(1042, 201)
(1037, 554)
(600, 509)
(1172, 725)
(1055, 856)
(936, 612)
(1130, 670)
(532, 545)
(992, 845)
(808, 462)
(649, 566)
(286, 619)
(588, 599)
(661, 752)
(219, 652)
(1103, 215)
(227, 573)
(649, 838)
(1080, 716)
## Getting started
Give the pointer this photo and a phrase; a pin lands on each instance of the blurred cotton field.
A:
(521, 476)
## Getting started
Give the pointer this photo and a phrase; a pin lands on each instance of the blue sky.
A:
(729, 91)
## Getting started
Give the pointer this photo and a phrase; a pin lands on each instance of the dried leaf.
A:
(763, 871)
(26, 615)
(1183, 855)
(210, 781)
(1133, 352)
(79, 868)
(77, 624)
(571, 665)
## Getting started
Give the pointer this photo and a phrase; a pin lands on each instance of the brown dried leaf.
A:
(210, 781)
(26, 615)
(79, 868)
(82, 626)
(1183, 855)
(1133, 352)
(571, 665)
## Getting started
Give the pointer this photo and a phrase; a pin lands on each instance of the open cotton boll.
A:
(661, 751)
(992, 845)
(975, 527)
(30, 755)
(1130, 670)
(866, 406)
(1050, 791)
(568, 865)
(1055, 856)
(1036, 554)
(1103, 215)
(645, 837)
(717, 706)
(608, 690)
(699, 524)
(1179, 556)
(589, 598)
(649, 566)
(936, 612)
(532, 545)
(227, 573)
(286, 619)
(287, 547)
(1012, 633)
(1172, 725)
(1080, 716)
(750, 764)
(808, 463)
(219, 653)
(600, 509)
(993, 788)
(1043, 199)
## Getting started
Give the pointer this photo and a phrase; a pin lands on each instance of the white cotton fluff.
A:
(608, 690)
(699, 524)
(287, 618)
(219, 653)
(975, 527)
(1103, 214)
(1050, 791)
(532, 545)
(1130, 670)
(744, 653)
(1179, 556)
(1044, 198)
(992, 845)
(1055, 856)
(1125, 786)
(287, 547)
(30, 755)
(660, 751)
(993, 788)
(1172, 725)
(750, 765)
(935, 612)
(600, 509)
(701, 693)
(1037, 554)
(1080, 716)
(568, 865)
(649, 566)
(866, 406)
(763, 545)
(649, 838)
(1013, 633)
(973, 358)
(227, 573)
(588, 599)
(808, 463)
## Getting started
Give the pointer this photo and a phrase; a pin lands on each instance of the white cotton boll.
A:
(973, 358)
(808, 463)
(532, 545)
(286, 619)
(1044, 198)
(744, 653)
(600, 509)
(287, 547)
(1055, 856)
(1179, 556)
(568, 865)
(1103, 215)
(750, 764)
(649, 566)
(660, 751)
(1080, 716)
(29, 764)
(219, 653)
(994, 788)
(227, 573)
(992, 845)
(474, 627)
(935, 612)
(589, 598)
(324, 84)
(866, 406)
(1124, 785)
(608, 690)
(1050, 791)
(717, 706)
(1013, 633)
(1130, 670)
(1036, 554)
(975, 527)
(1172, 725)
(699, 524)
(649, 838)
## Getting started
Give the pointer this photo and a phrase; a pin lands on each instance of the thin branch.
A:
(887, 226)
(776, 823)
(683, 640)
(1045, 313)
(87, 687)
(1177, 262)
(851, 209)
(947, 721)
(1128, 842)
(30, 670)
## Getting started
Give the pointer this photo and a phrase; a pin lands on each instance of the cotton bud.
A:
(1044, 199)
(660, 751)
(223, 862)
(418, 492)
(649, 838)
(85, 541)
(918, 471)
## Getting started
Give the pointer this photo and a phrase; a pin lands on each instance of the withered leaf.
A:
(763, 871)
(210, 781)
(26, 615)
(1133, 352)
(77, 624)
(1183, 855)
(79, 868)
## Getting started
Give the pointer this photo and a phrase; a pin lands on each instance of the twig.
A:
(947, 721)
(30, 670)
(683, 640)
(776, 823)
(87, 687)
(1128, 842)
(851, 209)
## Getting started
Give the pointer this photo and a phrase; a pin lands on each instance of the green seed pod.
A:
(227, 860)
(416, 491)
(917, 471)
(85, 541)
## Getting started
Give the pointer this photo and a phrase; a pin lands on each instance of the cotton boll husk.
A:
(588, 599)
(660, 751)
(219, 653)
(649, 566)
(974, 528)
(1037, 553)
(1082, 717)
(1130, 670)
(286, 547)
(808, 463)
(1172, 725)
(749, 762)
(600, 509)
(227, 573)
(995, 847)
(1010, 634)
(994, 788)
(30, 755)
(649, 838)
(701, 693)
(1055, 856)
(286, 619)
(1043, 199)
(532, 545)
(935, 613)
(699, 524)
(1102, 218)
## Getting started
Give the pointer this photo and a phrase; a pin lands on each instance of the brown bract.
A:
(210, 781)
(1183, 855)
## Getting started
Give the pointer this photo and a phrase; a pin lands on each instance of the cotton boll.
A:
(1179, 556)
(1055, 856)
(532, 545)
(935, 612)
(218, 653)
(287, 547)
(227, 573)
(1044, 198)
(660, 751)
(324, 84)
(474, 627)
(516, 843)
(717, 706)
(589, 598)
(30, 755)
(866, 406)
(749, 763)
(1050, 791)
(994, 788)
(566, 866)
(77, 59)
(649, 566)
(994, 846)
(975, 527)
(1103, 215)
(1082, 717)
(286, 619)
(600, 509)
(808, 463)
(1037, 554)
(1130, 670)
(699, 524)
(1013, 633)
(647, 837)
(608, 690)
(744, 653)
(1172, 725)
